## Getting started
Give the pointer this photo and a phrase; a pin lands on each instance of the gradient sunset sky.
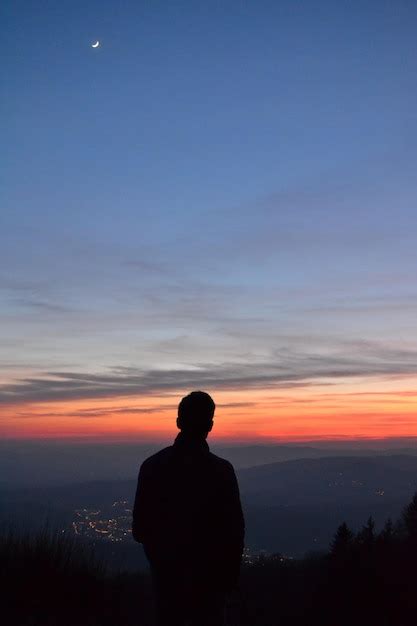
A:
(222, 196)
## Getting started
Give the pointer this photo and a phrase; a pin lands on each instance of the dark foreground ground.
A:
(364, 579)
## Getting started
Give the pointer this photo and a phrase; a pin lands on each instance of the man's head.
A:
(195, 414)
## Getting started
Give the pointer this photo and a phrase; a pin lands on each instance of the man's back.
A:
(188, 515)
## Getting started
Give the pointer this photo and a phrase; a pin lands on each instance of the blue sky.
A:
(218, 185)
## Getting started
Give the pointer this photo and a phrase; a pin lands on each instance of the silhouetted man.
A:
(188, 516)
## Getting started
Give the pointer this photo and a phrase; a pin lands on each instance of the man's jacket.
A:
(188, 515)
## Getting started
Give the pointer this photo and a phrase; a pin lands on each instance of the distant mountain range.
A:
(42, 463)
(330, 480)
(290, 506)
(296, 506)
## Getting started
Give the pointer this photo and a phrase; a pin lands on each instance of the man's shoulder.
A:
(157, 458)
(222, 464)
(162, 457)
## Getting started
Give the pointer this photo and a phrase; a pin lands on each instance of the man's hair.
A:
(195, 413)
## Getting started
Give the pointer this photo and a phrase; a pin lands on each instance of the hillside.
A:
(290, 506)
(366, 578)
(293, 506)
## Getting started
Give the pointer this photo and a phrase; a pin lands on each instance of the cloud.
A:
(40, 305)
(98, 412)
(376, 304)
(121, 410)
(148, 267)
(236, 405)
(32, 295)
(284, 369)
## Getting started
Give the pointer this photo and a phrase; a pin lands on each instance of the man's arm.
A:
(235, 528)
(140, 523)
(236, 514)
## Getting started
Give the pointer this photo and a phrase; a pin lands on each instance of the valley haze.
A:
(37, 463)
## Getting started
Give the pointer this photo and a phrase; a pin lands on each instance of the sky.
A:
(221, 196)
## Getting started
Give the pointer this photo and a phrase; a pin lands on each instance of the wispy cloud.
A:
(284, 368)
(40, 305)
(146, 266)
(100, 412)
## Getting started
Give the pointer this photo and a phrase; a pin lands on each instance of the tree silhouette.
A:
(409, 518)
(342, 541)
(387, 533)
(366, 537)
(384, 542)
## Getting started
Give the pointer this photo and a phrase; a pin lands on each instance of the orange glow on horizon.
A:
(358, 409)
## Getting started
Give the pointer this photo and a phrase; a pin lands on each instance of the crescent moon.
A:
(95, 45)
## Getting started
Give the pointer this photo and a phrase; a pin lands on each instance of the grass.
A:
(52, 579)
